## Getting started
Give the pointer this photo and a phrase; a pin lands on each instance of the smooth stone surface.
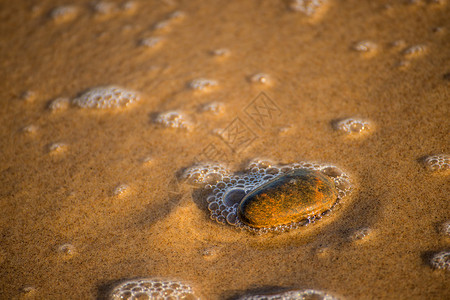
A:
(289, 198)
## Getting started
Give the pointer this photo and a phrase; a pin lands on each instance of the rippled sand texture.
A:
(91, 192)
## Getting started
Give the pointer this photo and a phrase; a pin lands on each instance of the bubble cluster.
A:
(360, 234)
(415, 51)
(437, 163)
(292, 295)
(352, 126)
(171, 19)
(64, 13)
(445, 228)
(155, 289)
(151, 42)
(121, 189)
(59, 104)
(365, 46)
(227, 189)
(104, 8)
(106, 97)
(214, 107)
(441, 260)
(308, 7)
(202, 84)
(174, 119)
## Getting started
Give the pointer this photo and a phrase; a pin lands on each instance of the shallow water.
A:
(92, 197)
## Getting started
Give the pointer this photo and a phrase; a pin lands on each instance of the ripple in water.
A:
(150, 288)
(227, 189)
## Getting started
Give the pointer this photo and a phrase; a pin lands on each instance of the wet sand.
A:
(386, 62)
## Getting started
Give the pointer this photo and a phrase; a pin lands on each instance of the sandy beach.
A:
(106, 106)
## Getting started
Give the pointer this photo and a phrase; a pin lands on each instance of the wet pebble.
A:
(292, 197)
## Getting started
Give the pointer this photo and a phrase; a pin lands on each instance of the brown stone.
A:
(289, 198)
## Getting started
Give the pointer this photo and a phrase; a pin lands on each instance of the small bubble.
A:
(441, 261)
(360, 235)
(28, 291)
(213, 107)
(398, 44)
(129, 6)
(28, 96)
(106, 97)
(64, 13)
(261, 78)
(221, 52)
(121, 190)
(30, 129)
(66, 250)
(57, 148)
(445, 228)
(59, 104)
(151, 42)
(352, 126)
(202, 84)
(439, 163)
(210, 253)
(174, 119)
(308, 7)
(147, 160)
(365, 46)
(415, 51)
(104, 8)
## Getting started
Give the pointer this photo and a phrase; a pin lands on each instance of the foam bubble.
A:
(64, 13)
(202, 84)
(437, 163)
(104, 8)
(366, 46)
(441, 260)
(415, 51)
(352, 126)
(121, 189)
(213, 107)
(292, 295)
(30, 129)
(307, 7)
(174, 119)
(129, 6)
(151, 42)
(227, 189)
(66, 250)
(28, 291)
(262, 78)
(169, 21)
(59, 104)
(221, 52)
(106, 97)
(150, 288)
(28, 96)
(57, 148)
(360, 235)
(445, 228)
